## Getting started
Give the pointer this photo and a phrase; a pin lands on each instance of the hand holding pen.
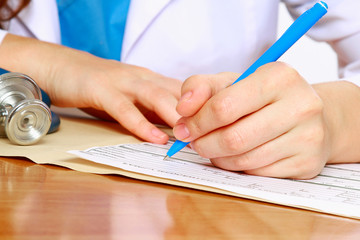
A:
(270, 123)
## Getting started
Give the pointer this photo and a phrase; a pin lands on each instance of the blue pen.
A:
(291, 35)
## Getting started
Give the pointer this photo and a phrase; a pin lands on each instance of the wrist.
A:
(21, 54)
(341, 101)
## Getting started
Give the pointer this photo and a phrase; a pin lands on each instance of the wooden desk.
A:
(50, 202)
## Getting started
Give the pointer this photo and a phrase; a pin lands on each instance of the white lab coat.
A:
(179, 38)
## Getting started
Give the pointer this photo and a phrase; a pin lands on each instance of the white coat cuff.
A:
(354, 79)
(2, 35)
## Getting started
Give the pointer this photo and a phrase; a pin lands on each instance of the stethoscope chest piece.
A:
(24, 118)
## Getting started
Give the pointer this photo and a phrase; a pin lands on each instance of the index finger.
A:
(228, 105)
(198, 89)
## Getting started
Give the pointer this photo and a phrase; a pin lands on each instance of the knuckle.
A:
(308, 168)
(194, 127)
(243, 163)
(310, 106)
(232, 140)
(194, 80)
(221, 108)
(263, 155)
(314, 106)
(282, 76)
(207, 83)
(224, 79)
(314, 136)
(256, 158)
(284, 70)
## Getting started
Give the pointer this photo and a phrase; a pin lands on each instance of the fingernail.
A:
(181, 132)
(158, 133)
(186, 96)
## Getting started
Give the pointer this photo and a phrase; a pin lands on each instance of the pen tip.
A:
(165, 157)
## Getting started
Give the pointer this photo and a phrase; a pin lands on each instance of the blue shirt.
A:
(94, 26)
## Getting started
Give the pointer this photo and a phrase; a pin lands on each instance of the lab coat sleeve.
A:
(2, 35)
(38, 20)
(340, 27)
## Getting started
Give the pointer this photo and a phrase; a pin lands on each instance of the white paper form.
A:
(336, 190)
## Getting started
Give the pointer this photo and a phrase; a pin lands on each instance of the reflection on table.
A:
(50, 202)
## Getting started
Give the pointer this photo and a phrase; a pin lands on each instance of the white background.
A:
(315, 61)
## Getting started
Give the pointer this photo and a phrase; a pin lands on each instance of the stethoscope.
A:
(25, 115)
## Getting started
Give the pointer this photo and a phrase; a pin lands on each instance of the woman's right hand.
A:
(74, 78)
